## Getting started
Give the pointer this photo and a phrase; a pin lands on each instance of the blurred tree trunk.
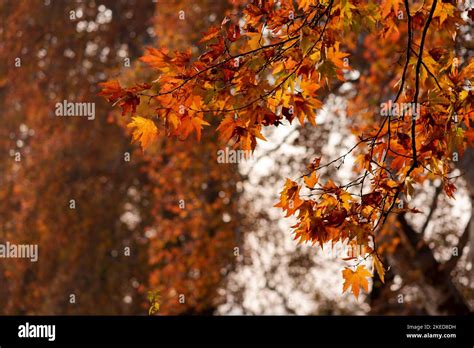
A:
(410, 261)
(446, 297)
(467, 167)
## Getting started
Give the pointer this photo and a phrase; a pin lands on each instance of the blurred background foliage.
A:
(203, 235)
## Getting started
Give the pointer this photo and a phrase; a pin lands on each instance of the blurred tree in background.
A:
(174, 209)
(202, 234)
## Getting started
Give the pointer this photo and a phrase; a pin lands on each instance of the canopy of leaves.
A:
(272, 64)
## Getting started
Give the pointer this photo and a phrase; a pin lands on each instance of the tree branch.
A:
(433, 206)
(449, 265)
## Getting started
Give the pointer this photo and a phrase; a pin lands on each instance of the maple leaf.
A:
(127, 98)
(145, 131)
(111, 90)
(346, 12)
(233, 34)
(188, 124)
(290, 198)
(444, 11)
(449, 188)
(356, 279)
(227, 128)
(157, 59)
(198, 123)
(210, 34)
(311, 180)
(378, 266)
(254, 40)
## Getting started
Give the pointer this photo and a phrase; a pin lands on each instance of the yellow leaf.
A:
(305, 4)
(388, 5)
(379, 268)
(145, 131)
(463, 95)
(356, 280)
(346, 199)
(254, 40)
(444, 11)
(346, 12)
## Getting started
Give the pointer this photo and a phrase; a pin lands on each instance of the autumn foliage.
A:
(351, 122)
(273, 63)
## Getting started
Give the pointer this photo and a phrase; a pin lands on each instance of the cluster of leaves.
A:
(271, 64)
(154, 298)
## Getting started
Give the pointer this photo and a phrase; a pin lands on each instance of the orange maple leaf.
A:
(311, 180)
(356, 279)
(145, 131)
(290, 198)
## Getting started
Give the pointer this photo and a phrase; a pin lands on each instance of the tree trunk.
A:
(465, 165)
(448, 299)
